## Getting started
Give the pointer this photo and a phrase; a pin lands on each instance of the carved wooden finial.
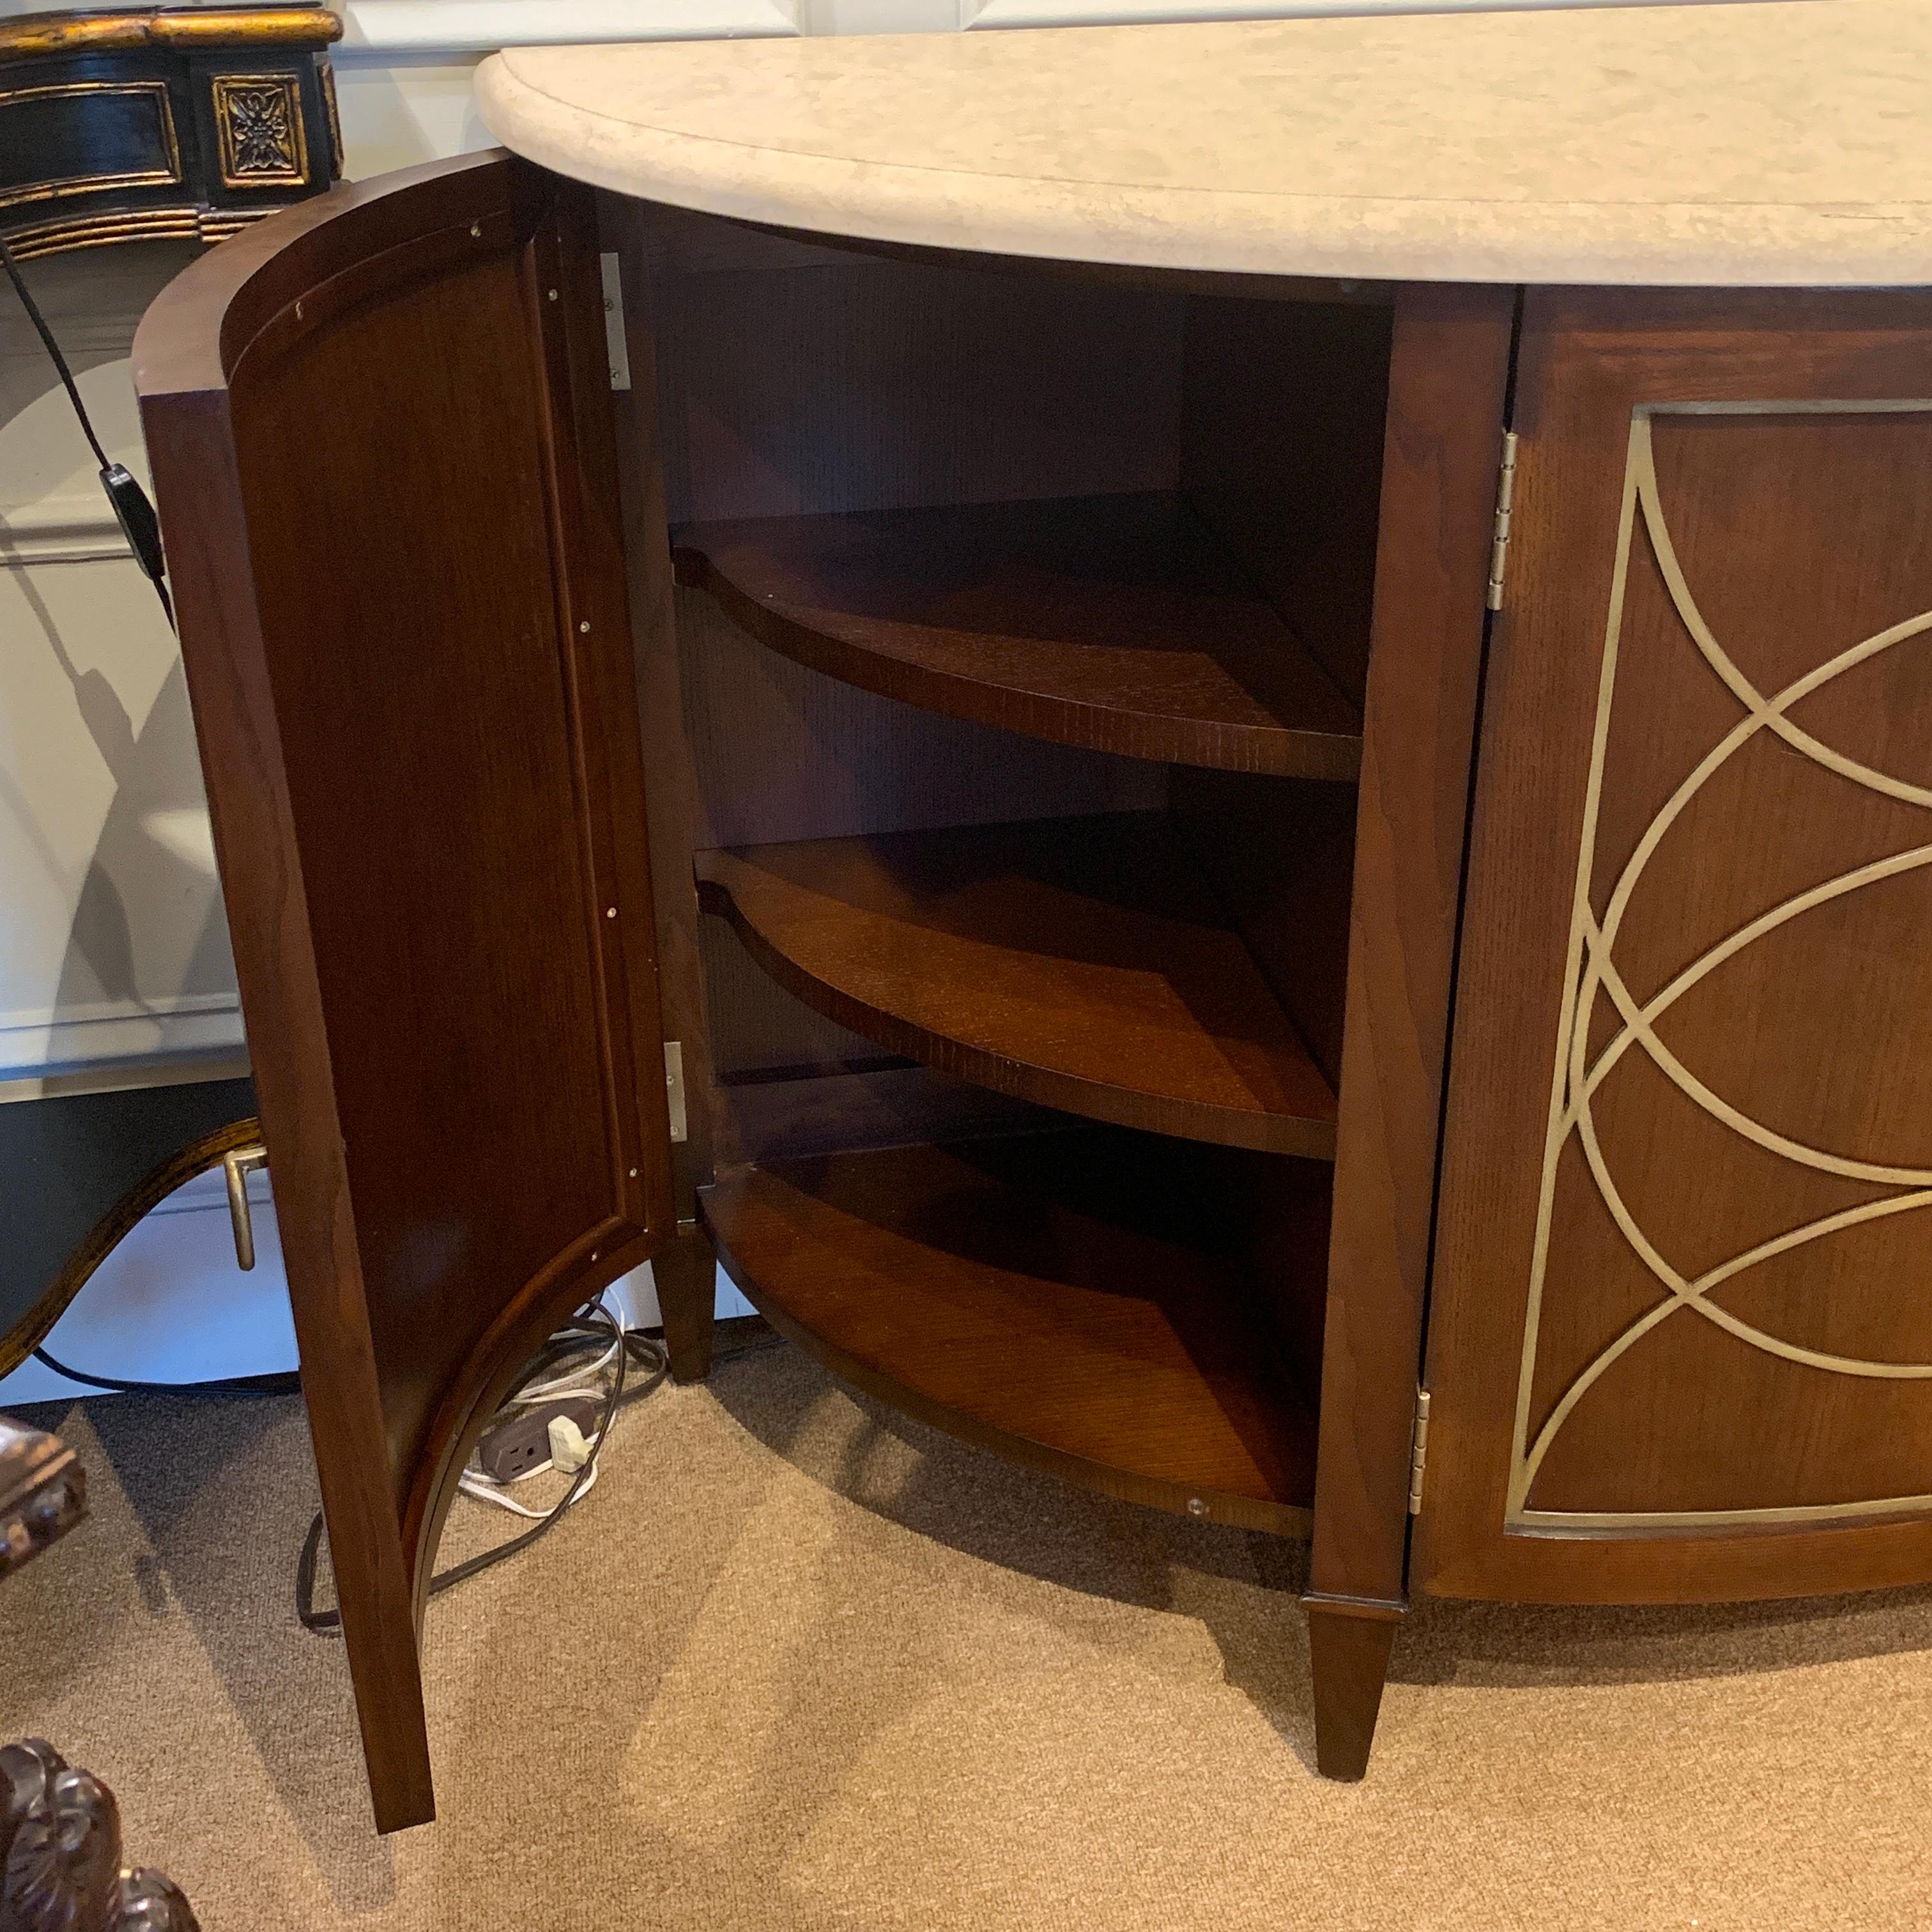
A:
(60, 1854)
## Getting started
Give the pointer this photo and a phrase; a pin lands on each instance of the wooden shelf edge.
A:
(1263, 1133)
(1308, 1136)
(835, 643)
(1202, 1503)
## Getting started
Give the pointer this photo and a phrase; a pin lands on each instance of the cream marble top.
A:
(1713, 144)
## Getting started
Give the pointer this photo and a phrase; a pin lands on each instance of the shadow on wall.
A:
(153, 855)
(116, 960)
(146, 934)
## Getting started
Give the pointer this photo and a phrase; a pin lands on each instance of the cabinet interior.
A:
(1022, 627)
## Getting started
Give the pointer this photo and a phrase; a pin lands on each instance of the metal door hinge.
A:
(238, 1163)
(1499, 537)
(1418, 1450)
(674, 1087)
(616, 346)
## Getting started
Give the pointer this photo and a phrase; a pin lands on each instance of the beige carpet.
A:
(798, 1663)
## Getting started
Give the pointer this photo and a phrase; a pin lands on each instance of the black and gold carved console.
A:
(181, 122)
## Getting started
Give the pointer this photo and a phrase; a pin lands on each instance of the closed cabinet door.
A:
(1681, 1334)
(381, 438)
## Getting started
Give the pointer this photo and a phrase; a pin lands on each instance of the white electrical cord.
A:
(486, 1489)
(574, 1381)
(585, 1381)
(568, 1449)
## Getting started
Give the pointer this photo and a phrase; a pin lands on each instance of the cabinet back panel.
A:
(757, 1026)
(1282, 852)
(783, 752)
(796, 380)
(1282, 452)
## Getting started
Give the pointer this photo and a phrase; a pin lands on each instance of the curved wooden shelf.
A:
(1119, 623)
(1080, 963)
(1052, 1297)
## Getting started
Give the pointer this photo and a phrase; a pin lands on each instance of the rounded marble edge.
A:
(1683, 244)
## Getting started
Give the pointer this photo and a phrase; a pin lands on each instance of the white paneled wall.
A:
(113, 947)
(114, 960)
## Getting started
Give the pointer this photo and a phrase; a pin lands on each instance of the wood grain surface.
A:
(1441, 449)
(1118, 622)
(1066, 1298)
(424, 778)
(1080, 963)
(1716, 495)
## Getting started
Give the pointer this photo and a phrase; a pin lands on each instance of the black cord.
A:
(587, 1327)
(132, 510)
(591, 1323)
(725, 1357)
(281, 1384)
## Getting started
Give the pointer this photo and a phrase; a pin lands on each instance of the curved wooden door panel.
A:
(1680, 1346)
(380, 432)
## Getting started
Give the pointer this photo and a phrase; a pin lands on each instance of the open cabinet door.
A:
(380, 431)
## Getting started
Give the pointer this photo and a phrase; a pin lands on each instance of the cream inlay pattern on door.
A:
(1591, 973)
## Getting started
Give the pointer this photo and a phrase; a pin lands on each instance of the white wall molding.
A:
(58, 531)
(377, 30)
(122, 1078)
(65, 1038)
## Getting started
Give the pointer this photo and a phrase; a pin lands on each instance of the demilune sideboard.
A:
(1215, 742)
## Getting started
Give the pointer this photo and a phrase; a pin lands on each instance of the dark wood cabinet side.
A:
(379, 425)
(1447, 375)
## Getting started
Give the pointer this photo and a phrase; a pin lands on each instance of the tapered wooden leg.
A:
(686, 1276)
(1349, 1650)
